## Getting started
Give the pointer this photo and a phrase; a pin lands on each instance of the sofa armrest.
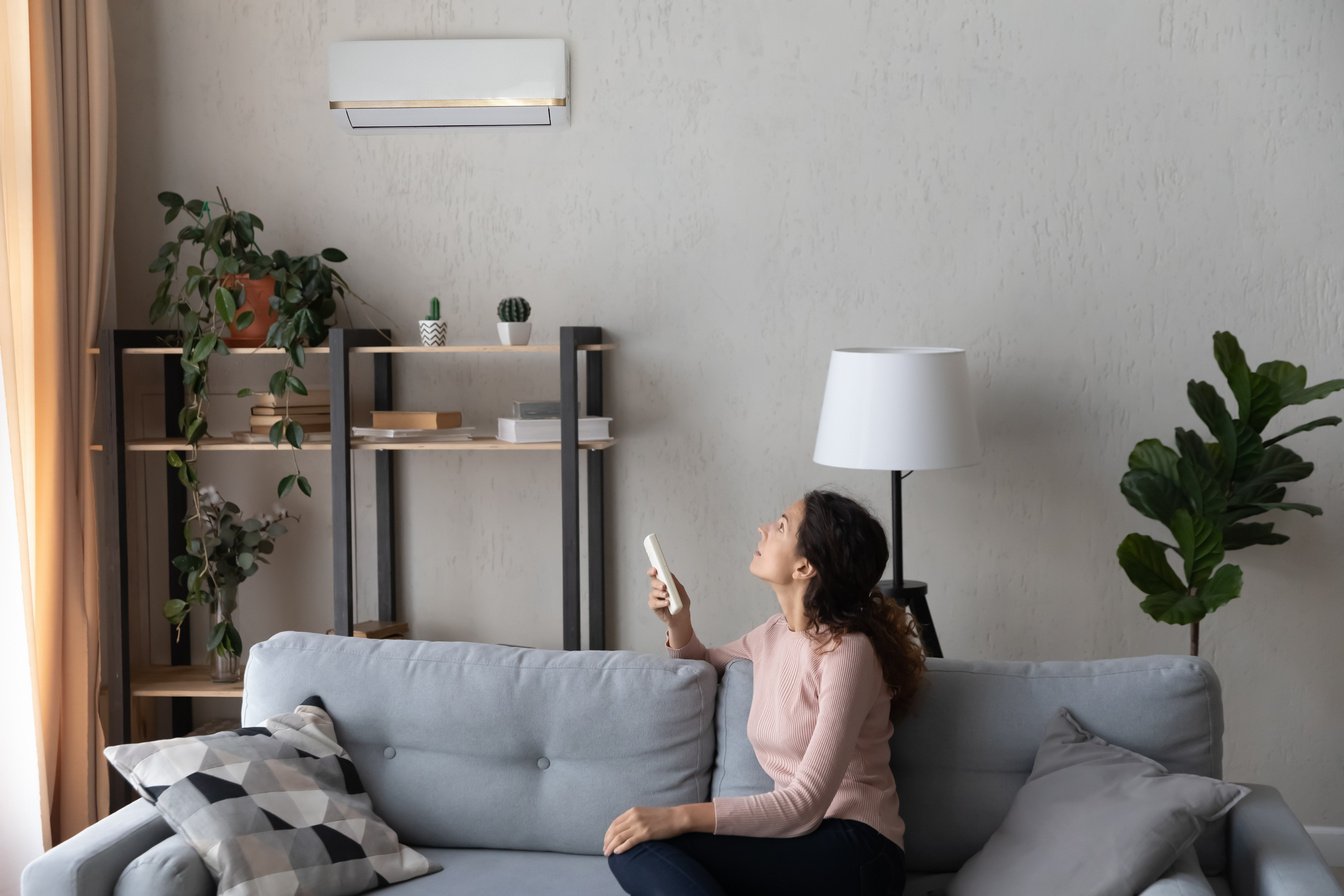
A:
(1270, 853)
(89, 863)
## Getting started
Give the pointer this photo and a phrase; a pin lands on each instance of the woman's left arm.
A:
(633, 826)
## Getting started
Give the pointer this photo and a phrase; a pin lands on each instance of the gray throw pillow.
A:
(274, 809)
(1093, 819)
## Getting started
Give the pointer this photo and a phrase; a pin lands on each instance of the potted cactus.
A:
(432, 330)
(514, 326)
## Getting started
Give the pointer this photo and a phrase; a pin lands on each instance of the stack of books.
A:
(311, 411)
(535, 410)
(547, 429)
(415, 426)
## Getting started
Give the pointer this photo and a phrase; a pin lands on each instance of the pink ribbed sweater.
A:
(820, 726)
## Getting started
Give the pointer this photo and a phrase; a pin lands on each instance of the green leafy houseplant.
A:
(1204, 492)
(226, 549)
(201, 293)
(206, 303)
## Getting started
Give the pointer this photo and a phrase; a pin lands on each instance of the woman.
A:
(831, 671)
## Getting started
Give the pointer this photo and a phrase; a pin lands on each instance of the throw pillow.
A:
(274, 809)
(1093, 819)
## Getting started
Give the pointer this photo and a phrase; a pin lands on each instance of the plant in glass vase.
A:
(224, 549)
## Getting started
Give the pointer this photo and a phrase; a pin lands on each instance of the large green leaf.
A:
(1242, 535)
(1309, 509)
(1279, 464)
(1290, 378)
(1212, 410)
(1223, 586)
(1152, 494)
(1151, 454)
(1203, 492)
(1200, 544)
(1266, 401)
(1320, 390)
(1305, 427)
(1232, 362)
(1144, 560)
(1174, 607)
(1250, 452)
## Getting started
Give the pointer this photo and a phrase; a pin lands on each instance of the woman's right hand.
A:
(658, 600)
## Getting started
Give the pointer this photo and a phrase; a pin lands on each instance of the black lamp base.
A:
(915, 596)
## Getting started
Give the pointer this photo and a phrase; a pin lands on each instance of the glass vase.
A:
(225, 667)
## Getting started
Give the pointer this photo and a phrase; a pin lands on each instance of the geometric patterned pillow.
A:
(275, 809)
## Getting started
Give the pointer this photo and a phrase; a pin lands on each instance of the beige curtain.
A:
(56, 191)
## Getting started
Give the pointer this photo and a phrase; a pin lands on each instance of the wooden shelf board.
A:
(241, 350)
(179, 681)
(218, 444)
(478, 349)
(479, 444)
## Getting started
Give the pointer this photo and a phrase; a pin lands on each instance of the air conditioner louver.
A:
(407, 86)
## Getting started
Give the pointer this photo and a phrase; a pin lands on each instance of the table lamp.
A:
(899, 409)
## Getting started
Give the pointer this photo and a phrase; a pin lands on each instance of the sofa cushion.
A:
(275, 808)
(737, 772)
(1093, 820)
(969, 746)
(479, 745)
(487, 872)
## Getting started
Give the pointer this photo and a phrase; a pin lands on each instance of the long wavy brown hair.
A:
(848, 549)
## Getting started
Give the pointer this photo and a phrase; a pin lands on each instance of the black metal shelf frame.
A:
(342, 343)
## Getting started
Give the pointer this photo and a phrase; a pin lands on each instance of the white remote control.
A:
(655, 552)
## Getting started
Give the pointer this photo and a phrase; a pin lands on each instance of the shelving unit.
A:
(347, 345)
(181, 681)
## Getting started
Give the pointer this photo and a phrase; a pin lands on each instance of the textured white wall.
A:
(1079, 194)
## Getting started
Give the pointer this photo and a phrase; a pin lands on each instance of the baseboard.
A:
(1330, 841)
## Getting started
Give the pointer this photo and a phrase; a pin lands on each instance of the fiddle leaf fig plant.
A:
(1204, 492)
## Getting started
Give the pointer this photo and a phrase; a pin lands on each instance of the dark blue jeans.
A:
(840, 857)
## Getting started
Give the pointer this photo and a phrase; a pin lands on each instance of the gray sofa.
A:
(505, 764)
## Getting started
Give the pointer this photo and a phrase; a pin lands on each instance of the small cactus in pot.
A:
(514, 326)
(432, 330)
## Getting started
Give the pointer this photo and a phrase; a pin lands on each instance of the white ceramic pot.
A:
(514, 333)
(434, 332)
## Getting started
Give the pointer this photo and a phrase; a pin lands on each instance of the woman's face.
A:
(777, 558)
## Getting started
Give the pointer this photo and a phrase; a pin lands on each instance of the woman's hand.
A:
(633, 826)
(679, 626)
(658, 598)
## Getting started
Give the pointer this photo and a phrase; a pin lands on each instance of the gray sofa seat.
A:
(506, 765)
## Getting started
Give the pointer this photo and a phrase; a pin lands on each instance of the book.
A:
(417, 419)
(271, 413)
(314, 397)
(308, 428)
(514, 429)
(255, 438)
(386, 434)
(304, 420)
(533, 410)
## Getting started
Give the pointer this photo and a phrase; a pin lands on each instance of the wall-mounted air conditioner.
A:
(400, 86)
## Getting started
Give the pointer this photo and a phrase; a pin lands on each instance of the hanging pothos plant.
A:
(203, 294)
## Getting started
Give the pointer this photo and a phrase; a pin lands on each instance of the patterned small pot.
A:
(434, 332)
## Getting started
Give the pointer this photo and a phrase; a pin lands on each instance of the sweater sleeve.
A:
(851, 679)
(718, 657)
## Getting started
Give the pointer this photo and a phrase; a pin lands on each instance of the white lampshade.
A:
(897, 409)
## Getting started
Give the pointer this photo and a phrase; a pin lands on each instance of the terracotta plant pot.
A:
(256, 298)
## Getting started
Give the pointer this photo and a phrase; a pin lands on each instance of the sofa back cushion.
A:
(969, 746)
(479, 745)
